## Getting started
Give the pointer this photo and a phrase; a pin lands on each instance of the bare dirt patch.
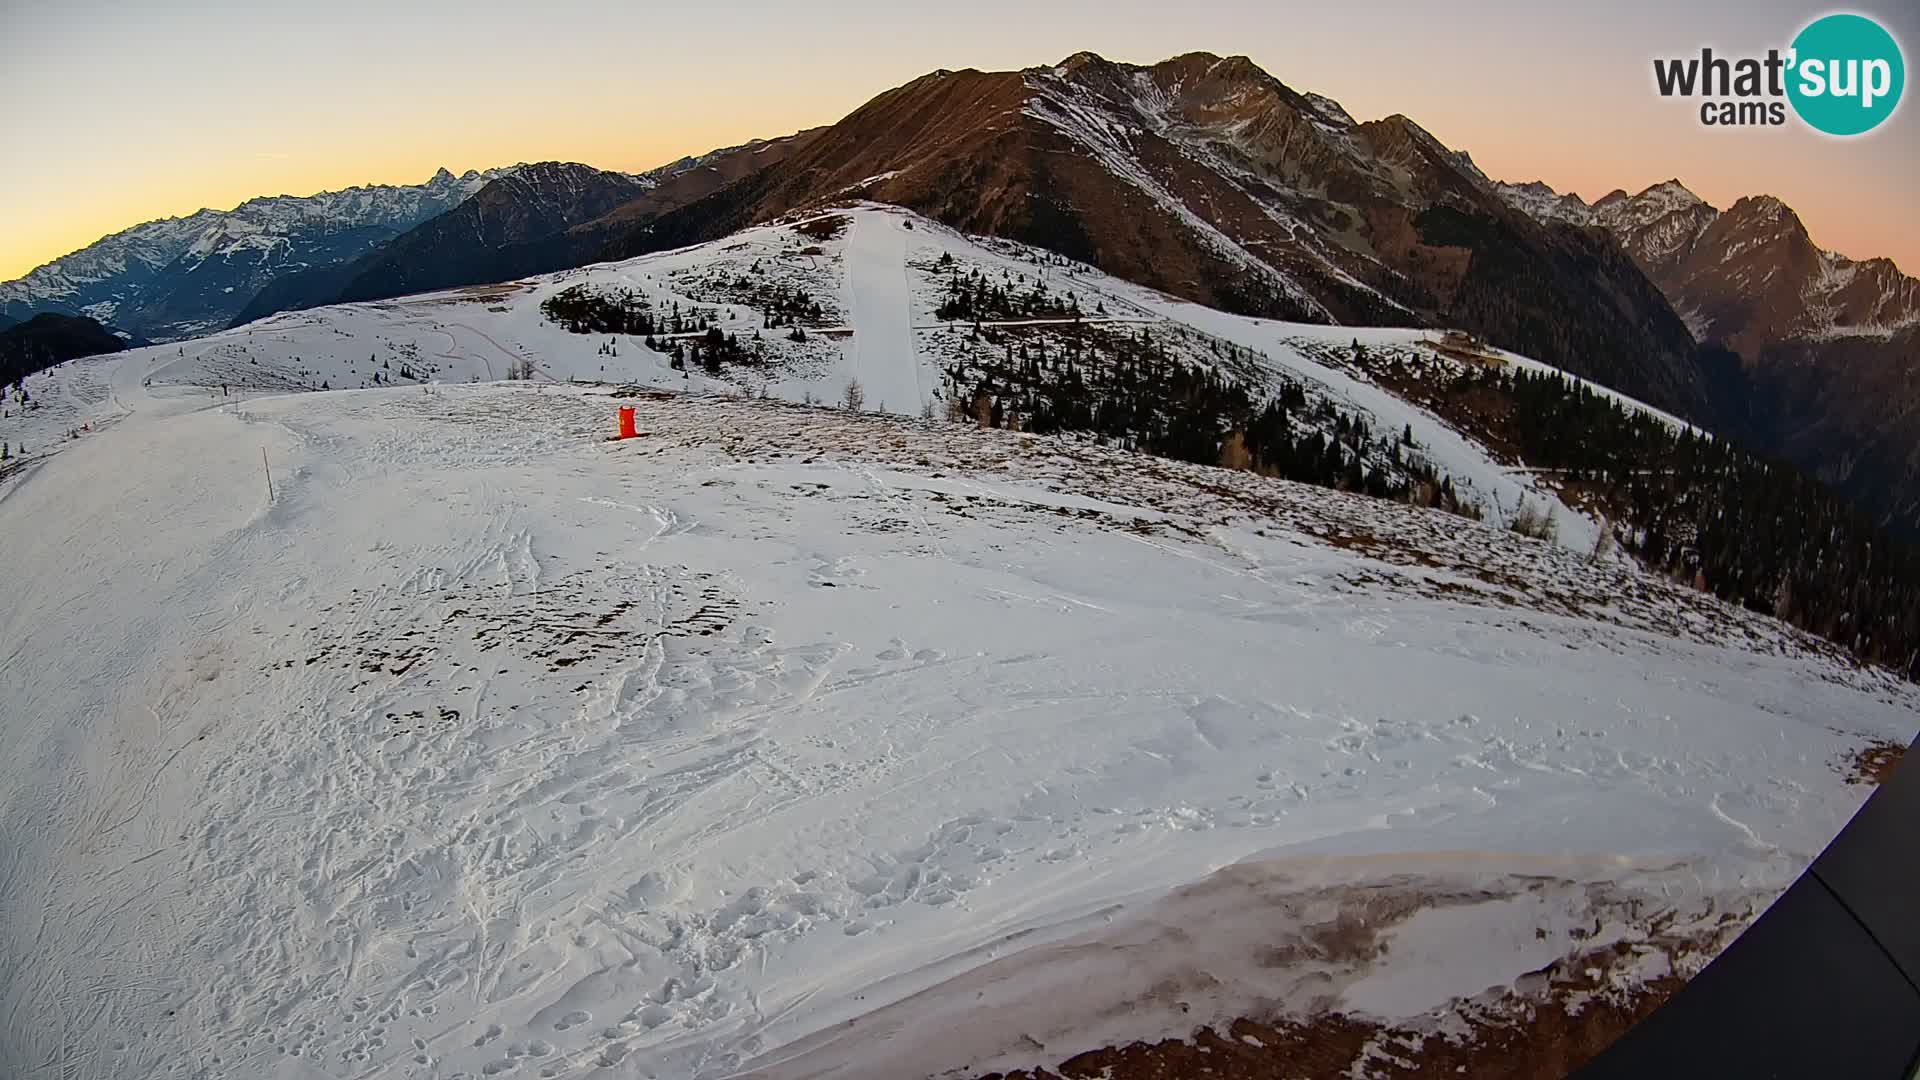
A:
(1517, 1037)
(1545, 1023)
(1874, 764)
(823, 228)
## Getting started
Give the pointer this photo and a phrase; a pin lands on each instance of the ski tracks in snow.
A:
(885, 358)
(540, 756)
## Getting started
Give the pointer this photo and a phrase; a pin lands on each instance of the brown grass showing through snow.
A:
(1874, 763)
(1515, 1038)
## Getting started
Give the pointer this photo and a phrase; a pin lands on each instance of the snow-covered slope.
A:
(877, 275)
(481, 745)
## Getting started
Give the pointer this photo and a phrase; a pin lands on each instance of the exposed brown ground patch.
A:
(1547, 1025)
(1874, 764)
(1518, 1037)
(823, 228)
(1466, 350)
(1416, 550)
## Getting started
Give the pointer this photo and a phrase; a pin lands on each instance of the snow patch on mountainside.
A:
(1091, 128)
(1698, 323)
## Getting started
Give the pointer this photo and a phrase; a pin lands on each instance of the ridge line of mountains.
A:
(1202, 176)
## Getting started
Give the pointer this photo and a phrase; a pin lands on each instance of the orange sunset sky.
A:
(117, 113)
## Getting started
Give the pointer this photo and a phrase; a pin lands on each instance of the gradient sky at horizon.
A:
(119, 112)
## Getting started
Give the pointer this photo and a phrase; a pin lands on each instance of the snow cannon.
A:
(626, 422)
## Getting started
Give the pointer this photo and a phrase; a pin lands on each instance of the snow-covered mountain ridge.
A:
(1205, 177)
(882, 276)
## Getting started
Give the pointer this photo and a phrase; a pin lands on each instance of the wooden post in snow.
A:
(269, 469)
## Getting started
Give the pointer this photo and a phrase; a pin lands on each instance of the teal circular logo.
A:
(1847, 74)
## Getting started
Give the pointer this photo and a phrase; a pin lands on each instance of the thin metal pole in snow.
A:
(269, 468)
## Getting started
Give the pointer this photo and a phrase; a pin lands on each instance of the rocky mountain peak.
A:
(1081, 61)
(1763, 212)
(1541, 202)
(1214, 66)
(1671, 193)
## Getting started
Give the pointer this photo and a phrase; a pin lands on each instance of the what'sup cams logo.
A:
(1842, 75)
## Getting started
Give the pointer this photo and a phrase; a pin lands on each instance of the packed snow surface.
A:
(791, 742)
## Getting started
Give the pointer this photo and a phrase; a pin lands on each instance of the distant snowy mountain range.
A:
(183, 276)
(187, 276)
(467, 243)
(1748, 276)
(538, 218)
